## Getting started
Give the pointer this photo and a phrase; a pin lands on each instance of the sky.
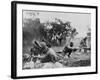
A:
(80, 21)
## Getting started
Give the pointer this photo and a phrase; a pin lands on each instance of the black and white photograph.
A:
(53, 39)
(56, 39)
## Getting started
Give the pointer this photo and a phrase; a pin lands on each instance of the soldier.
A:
(44, 53)
(35, 51)
(69, 49)
(50, 55)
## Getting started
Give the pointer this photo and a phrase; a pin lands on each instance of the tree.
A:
(56, 32)
(73, 34)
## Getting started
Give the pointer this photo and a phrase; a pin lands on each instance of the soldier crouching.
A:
(43, 52)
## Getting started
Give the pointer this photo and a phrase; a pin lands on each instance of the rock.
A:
(29, 65)
(52, 65)
(58, 65)
(48, 65)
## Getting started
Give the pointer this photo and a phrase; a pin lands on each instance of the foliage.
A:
(54, 33)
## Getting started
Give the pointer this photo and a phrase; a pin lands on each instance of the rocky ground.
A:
(77, 59)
